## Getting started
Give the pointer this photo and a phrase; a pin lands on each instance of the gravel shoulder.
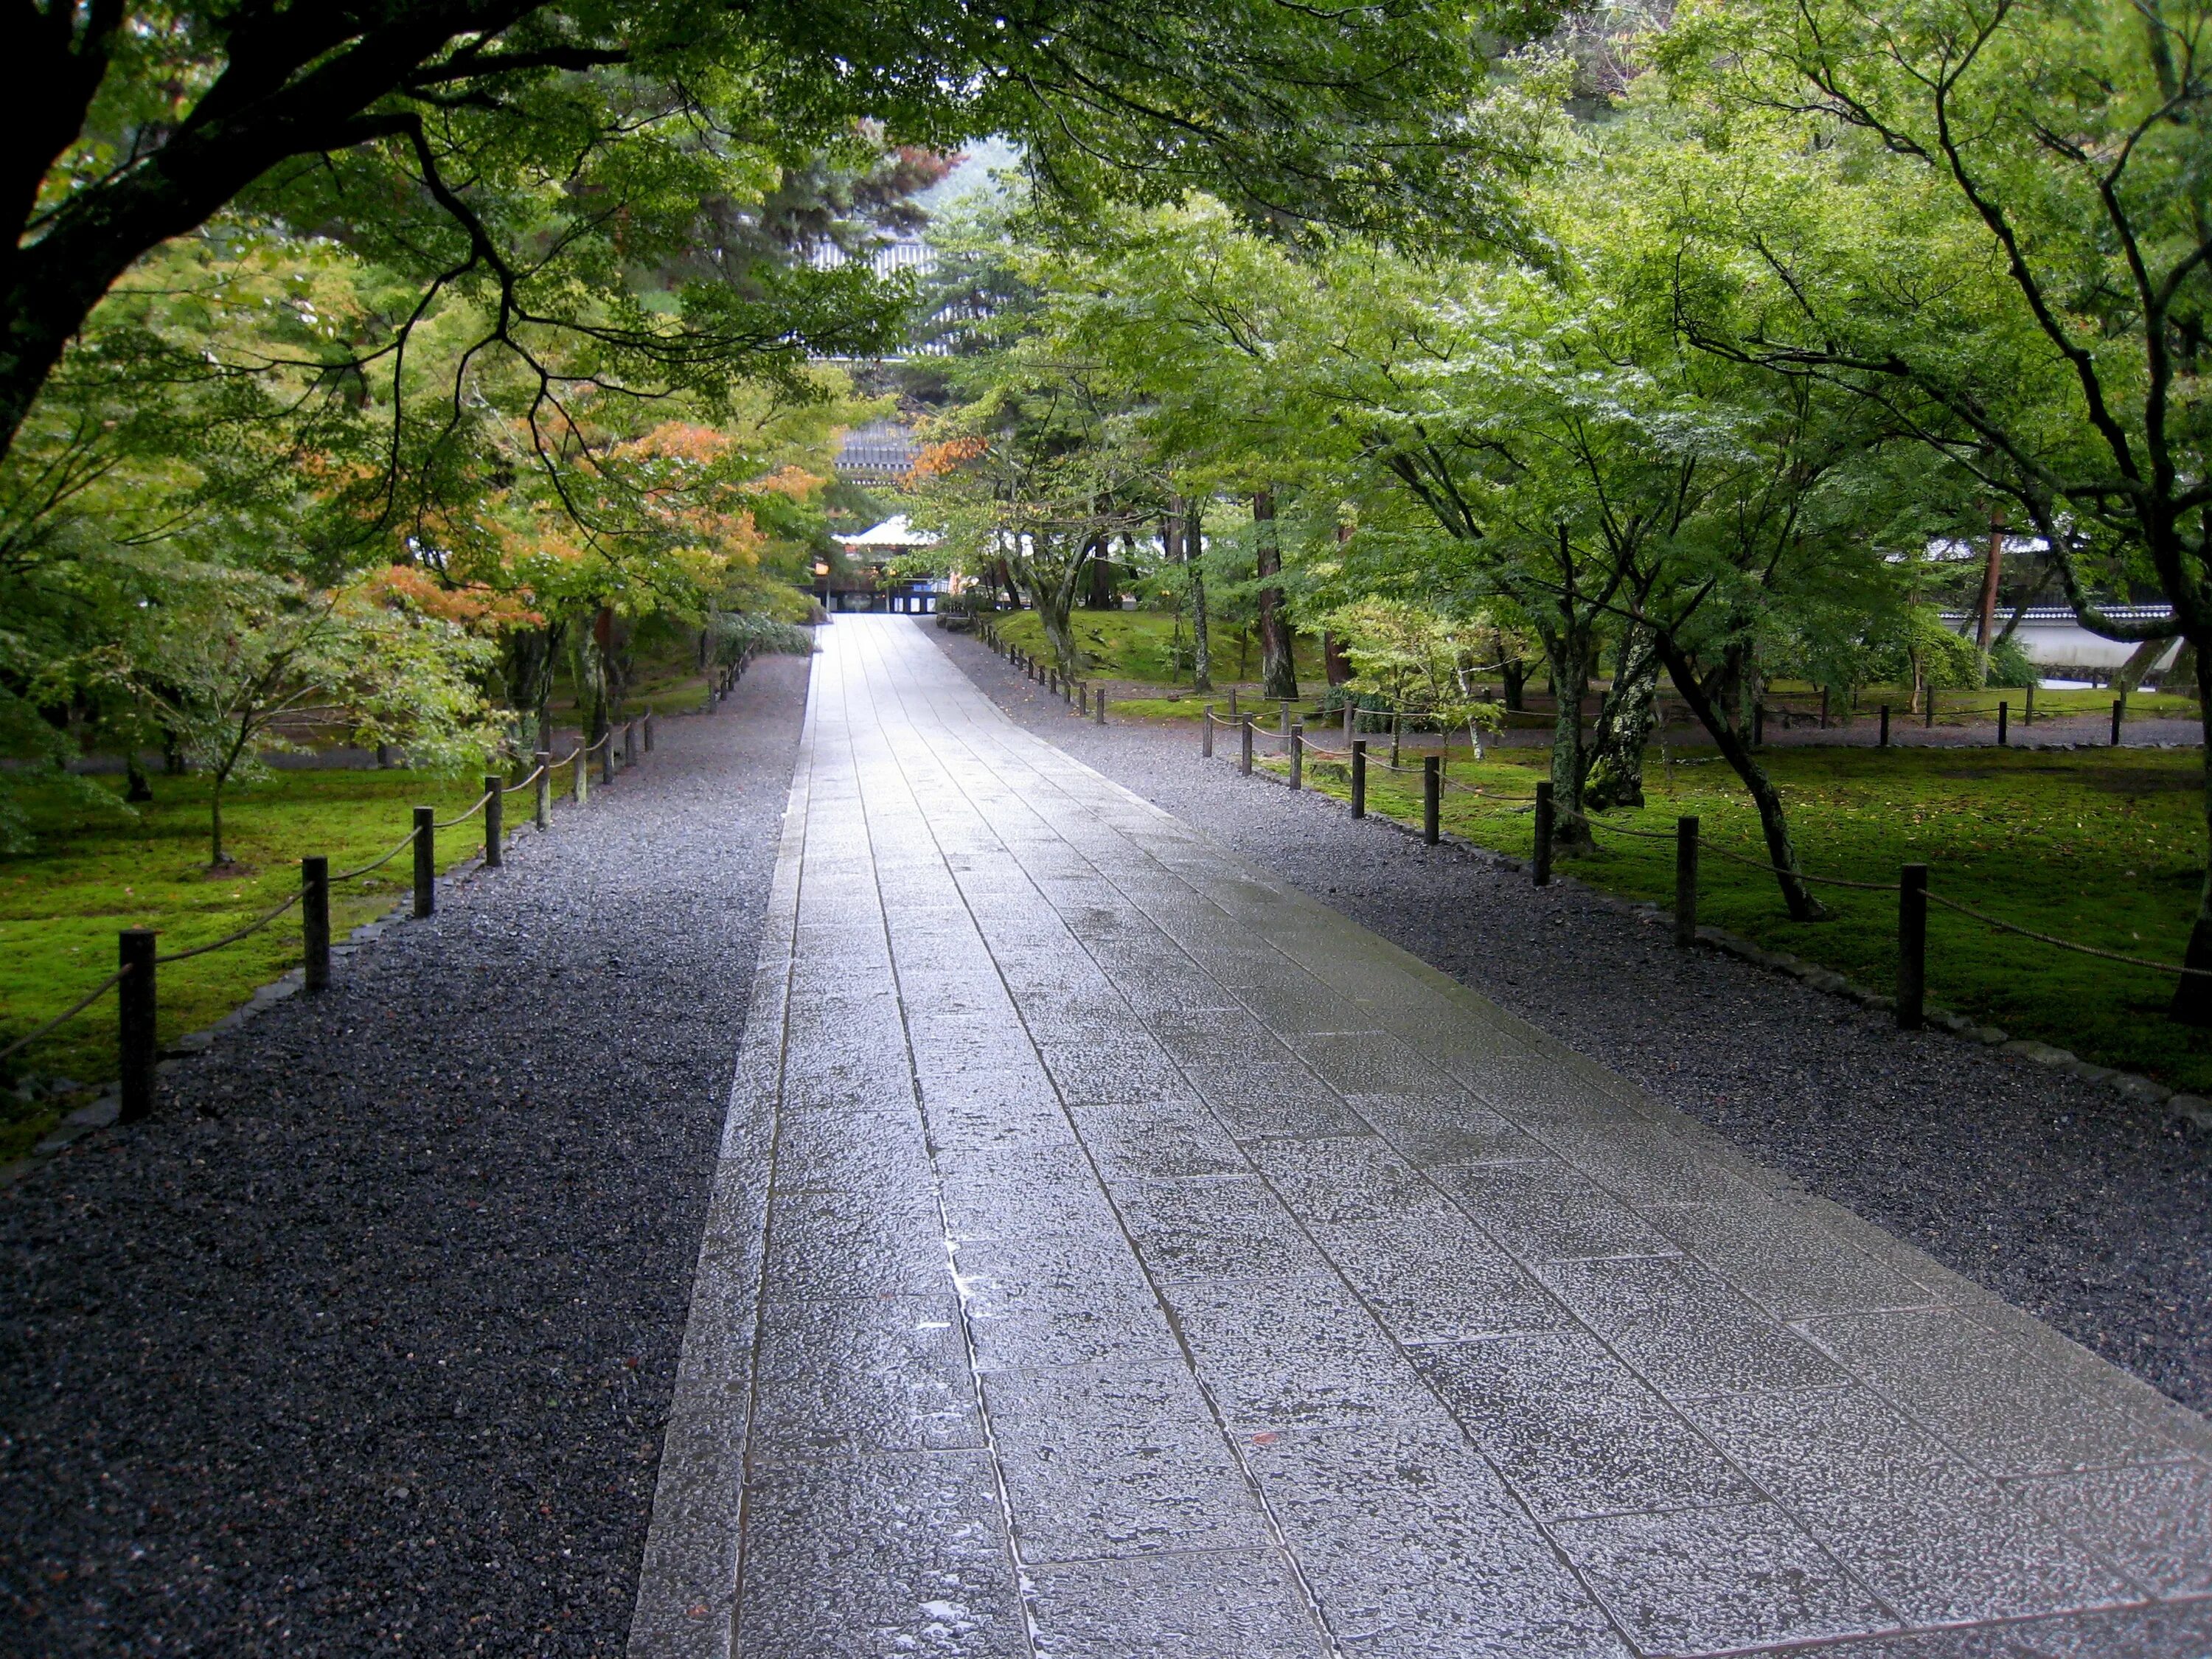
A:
(2081, 1207)
(364, 1343)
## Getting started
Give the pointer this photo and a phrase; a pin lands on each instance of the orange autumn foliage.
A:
(479, 609)
(937, 459)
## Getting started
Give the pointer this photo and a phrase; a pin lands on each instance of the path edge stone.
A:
(687, 1583)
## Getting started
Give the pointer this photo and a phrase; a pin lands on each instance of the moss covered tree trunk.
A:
(1278, 674)
(1201, 640)
(1624, 725)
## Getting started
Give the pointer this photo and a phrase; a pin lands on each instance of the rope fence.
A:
(1912, 888)
(247, 932)
(135, 979)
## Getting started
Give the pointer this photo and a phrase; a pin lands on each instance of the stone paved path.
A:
(1117, 1254)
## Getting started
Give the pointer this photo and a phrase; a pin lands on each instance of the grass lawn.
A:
(2101, 846)
(97, 870)
(1138, 646)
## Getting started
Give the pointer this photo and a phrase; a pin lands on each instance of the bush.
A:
(737, 635)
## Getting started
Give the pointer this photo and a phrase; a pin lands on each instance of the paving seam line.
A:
(2093, 1374)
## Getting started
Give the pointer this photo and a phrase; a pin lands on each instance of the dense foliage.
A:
(1807, 306)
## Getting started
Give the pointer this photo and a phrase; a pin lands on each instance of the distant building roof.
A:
(879, 453)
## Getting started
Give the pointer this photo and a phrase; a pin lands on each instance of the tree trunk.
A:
(1054, 601)
(216, 857)
(1513, 678)
(2140, 662)
(1624, 725)
(1201, 639)
(140, 791)
(1335, 665)
(1985, 618)
(1278, 674)
(1567, 650)
(1780, 853)
(2192, 993)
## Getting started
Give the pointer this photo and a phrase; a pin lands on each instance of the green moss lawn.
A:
(2105, 847)
(96, 869)
(1138, 647)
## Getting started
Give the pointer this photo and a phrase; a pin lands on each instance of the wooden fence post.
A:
(2004, 715)
(1244, 755)
(1685, 883)
(544, 813)
(1885, 725)
(583, 790)
(1359, 777)
(135, 1038)
(1432, 796)
(2119, 713)
(1824, 708)
(1542, 862)
(426, 861)
(648, 732)
(1206, 734)
(1758, 723)
(629, 742)
(2028, 716)
(607, 755)
(1927, 720)
(1298, 756)
(1912, 947)
(315, 922)
(1098, 706)
(1350, 716)
(495, 822)
(1082, 699)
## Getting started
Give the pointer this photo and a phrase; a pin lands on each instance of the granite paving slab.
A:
(1125, 1254)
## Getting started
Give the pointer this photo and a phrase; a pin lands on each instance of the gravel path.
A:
(2085, 1209)
(364, 1343)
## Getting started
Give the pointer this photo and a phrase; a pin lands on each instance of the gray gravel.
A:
(2090, 1210)
(364, 1343)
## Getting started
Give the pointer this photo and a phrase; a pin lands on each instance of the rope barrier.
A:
(1641, 835)
(253, 927)
(1768, 867)
(447, 824)
(61, 1019)
(405, 841)
(2065, 944)
(270, 915)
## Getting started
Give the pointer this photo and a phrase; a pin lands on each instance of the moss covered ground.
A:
(98, 867)
(2101, 846)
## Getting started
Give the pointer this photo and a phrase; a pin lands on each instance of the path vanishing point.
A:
(1114, 1253)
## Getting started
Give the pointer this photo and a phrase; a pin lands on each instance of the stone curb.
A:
(2192, 1110)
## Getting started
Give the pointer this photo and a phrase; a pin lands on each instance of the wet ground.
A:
(363, 1342)
(1116, 1252)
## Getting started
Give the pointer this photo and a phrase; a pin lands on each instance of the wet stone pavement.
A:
(1114, 1254)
